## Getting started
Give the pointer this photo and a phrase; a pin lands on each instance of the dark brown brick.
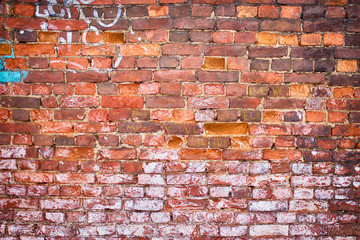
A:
(293, 116)
(304, 52)
(280, 26)
(26, 36)
(227, 116)
(352, 40)
(234, 24)
(64, 141)
(303, 65)
(323, 26)
(250, 116)
(179, 37)
(152, 24)
(255, 52)
(20, 115)
(344, 80)
(310, 12)
(20, 102)
(200, 36)
(324, 66)
(179, 11)
(259, 65)
(225, 11)
(194, 23)
(218, 76)
(281, 64)
(136, 11)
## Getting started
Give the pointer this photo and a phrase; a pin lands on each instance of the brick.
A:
(261, 77)
(140, 50)
(347, 66)
(272, 230)
(245, 37)
(18, 23)
(246, 11)
(233, 24)
(304, 77)
(310, 39)
(257, 52)
(194, 23)
(333, 39)
(280, 25)
(233, 51)
(34, 49)
(264, 38)
(268, 11)
(207, 102)
(259, 65)
(322, 26)
(175, 75)
(223, 37)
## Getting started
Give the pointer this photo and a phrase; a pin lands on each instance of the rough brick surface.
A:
(180, 119)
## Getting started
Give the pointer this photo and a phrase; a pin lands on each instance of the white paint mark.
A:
(96, 15)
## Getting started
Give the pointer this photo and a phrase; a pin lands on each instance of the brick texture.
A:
(180, 119)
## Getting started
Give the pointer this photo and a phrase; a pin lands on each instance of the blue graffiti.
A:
(9, 75)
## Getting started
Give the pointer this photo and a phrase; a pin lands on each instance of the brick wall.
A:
(180, 119)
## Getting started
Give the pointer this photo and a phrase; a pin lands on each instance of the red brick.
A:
(181, 49)
(268, 11)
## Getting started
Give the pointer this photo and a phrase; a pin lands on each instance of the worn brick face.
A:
(203, 119)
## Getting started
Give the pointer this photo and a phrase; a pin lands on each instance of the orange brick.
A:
(101, 63)
(240, 142)
(34, 49)
(5, 49)
(92, 37)
(211, 63)
(183, 115)
(85, 88)
(140, 50)
(333, 39)
(223, 37)
(290, 12)
(337, 117)
(237, 64)
(315, 116)
(302, 90)
(24, 10)
(347, 66)
(16, 63)
(77, 63)
(100, 50)
(51, 37)
(291, 40)
(344, 92)
(268, 11)
(272, 116)
(57, 63)
(246, 11)
(311, 39)
(128, 89)
(157, 11)
(266, 38)
(110, 37)
(333, 2)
